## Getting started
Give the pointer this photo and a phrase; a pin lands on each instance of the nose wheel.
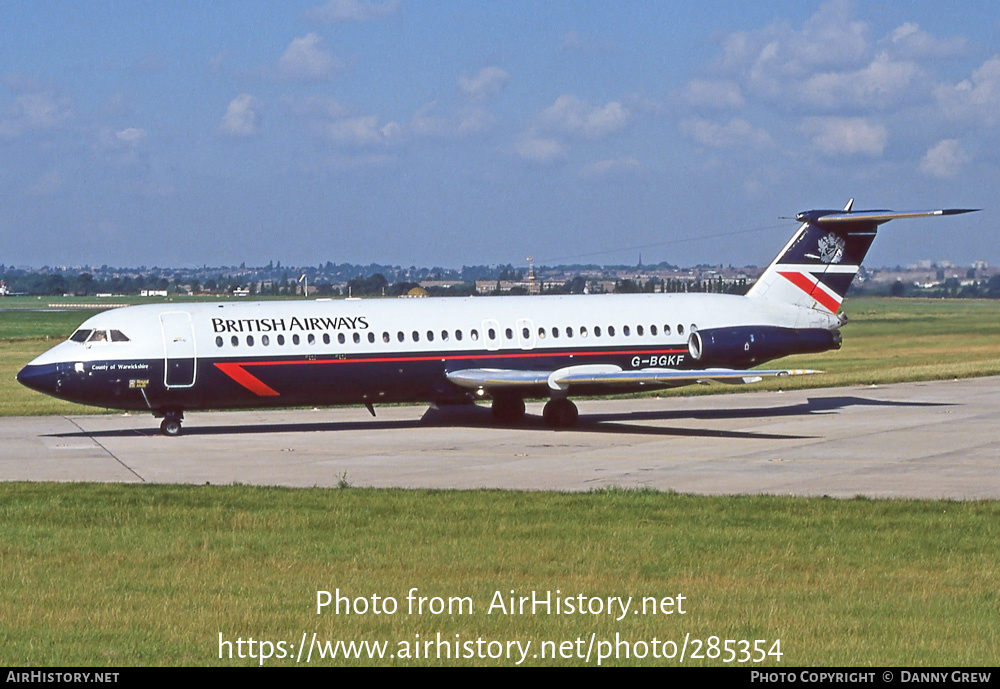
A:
(171, 424)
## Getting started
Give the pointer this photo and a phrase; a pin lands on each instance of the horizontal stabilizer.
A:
(874, 217)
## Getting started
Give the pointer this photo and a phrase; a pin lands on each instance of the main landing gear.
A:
(171, 424)
(558, 413)
(508, 410)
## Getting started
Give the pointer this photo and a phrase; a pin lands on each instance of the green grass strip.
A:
(152, 575)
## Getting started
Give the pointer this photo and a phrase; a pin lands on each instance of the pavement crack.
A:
(110, 453)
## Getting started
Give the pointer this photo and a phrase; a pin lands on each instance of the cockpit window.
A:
(92, 336)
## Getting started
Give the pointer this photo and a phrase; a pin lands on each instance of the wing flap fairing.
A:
(565, 378)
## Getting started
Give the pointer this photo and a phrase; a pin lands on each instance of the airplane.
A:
(171, 358)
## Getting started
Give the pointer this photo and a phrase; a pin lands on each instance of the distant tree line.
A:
(273, 281)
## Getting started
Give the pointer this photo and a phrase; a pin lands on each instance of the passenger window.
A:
(638, 330)
(652, 330)
(311, 339)
(583, 331)
(597, 331)
(385, 337)
(326, 338)
(235, 341)
(400, 336)
(525, 333)
(693, 328)
(611, 331)
(569, 332)
(474, 334)
(509, 333)
(371, 338)
(680, 329)
(458, 334)
(250, 340)
(357, 338)
(444, 335)
(493, 334)
(625, 331)
(555, 332)
(295, 339)
(416, 336)
(281, 339)
(218, 341)
(541, 333)
(340, 338)
(430, 335)
(265, 340)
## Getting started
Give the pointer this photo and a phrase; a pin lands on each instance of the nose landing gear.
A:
(171, 424)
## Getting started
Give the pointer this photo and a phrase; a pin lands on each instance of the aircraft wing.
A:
(606, 374)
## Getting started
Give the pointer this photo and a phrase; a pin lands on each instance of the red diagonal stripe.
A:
(804, 283)
(250, 382)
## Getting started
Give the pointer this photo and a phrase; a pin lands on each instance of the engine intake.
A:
(750, 345)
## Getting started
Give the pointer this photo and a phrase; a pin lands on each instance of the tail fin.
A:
(817, 266)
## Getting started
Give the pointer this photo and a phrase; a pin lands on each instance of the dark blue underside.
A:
(317, 380)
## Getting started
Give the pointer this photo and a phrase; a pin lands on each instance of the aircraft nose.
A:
(40, 377)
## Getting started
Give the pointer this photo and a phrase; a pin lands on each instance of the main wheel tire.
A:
(508, 410)
(561, 413)
(170, 426)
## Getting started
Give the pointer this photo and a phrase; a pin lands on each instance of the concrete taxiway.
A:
(928, 440)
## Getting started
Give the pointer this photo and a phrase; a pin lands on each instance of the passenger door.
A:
(179, 357)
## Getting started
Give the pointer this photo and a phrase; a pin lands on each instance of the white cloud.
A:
(768, 59)
(845, 136)
(977, 98)
(910, 41)
(240, 118)
(879, 84)
(613, 166)
(737, 133)
(336, 11)
(539, 149)
(362, 130)
(714, 94)
(35, 108)
(305, 58)
(487, 82)
(467, 121)
(131, 135)
(831, 62)
(570, 115)
(944, 159)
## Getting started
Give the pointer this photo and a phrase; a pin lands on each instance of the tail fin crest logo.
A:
(831, 248)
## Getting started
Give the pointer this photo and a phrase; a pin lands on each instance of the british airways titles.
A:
(266, 325)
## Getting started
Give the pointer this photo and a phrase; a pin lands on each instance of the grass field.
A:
(112, 575)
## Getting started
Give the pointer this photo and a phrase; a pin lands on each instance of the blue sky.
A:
(447, 133)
